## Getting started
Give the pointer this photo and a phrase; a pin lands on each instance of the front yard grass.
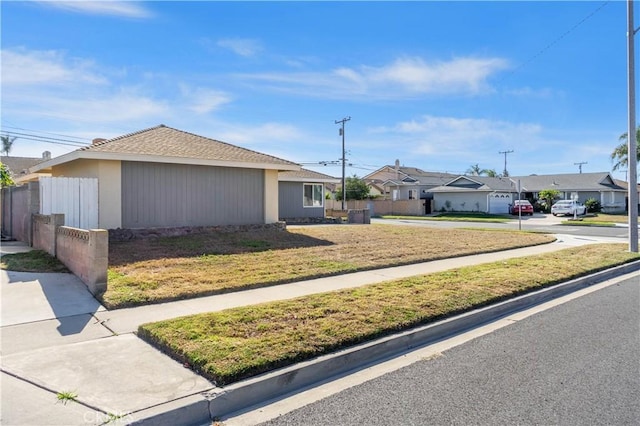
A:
(230, 345)
(599, 219)
(172, 268)
(457, 217)
(32, 261)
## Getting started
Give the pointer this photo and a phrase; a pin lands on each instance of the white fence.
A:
(76, 198)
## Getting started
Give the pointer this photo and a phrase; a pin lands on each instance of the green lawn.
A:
(457, 217)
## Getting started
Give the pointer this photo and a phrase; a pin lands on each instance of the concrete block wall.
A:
(84, 252)
(18, 204)
(44, 232)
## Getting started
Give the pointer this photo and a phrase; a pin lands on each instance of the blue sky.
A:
(438, 85)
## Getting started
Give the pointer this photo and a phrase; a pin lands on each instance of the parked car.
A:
(521, 207)
(568, 207)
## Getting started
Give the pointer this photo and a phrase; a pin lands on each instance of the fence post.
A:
(33, 207)
(57, 220)
(98, 260)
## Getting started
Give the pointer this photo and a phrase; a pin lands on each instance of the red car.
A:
(523, 206)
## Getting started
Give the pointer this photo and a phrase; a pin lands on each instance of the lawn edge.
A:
(253, 286)
(345, 345)
(257, 391)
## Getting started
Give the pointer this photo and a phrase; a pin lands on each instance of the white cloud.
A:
(22, 67)
(402, 78)
(241, 46)
(128, 9)
(263, 134)
(459, 137)
(203, 100)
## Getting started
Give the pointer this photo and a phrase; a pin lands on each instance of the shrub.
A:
(593, 205)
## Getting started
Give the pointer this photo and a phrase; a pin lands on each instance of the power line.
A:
(45, 139)
(505, 173)
(48, 133)
(554, 42)
(580, 165)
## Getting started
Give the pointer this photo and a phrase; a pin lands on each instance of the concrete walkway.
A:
(55, 337)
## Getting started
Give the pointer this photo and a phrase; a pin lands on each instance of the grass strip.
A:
(164, 269)
(586, 222)
(237, 343)
(32, 261)
(456, 217)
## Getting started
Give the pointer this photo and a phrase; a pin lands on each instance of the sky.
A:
(440, 86)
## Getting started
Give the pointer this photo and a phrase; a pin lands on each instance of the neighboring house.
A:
(405, 183)
(474, 194)
(581, 186)
(164, 177)
(492, 195)
(302, 194)
(19, 166)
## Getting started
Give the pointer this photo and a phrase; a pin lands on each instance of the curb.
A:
(220, 402)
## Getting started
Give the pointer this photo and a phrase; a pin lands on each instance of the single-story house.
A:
(19, 166)
(405, 183)
(164, 177)
(301, 194)
(475, 194)
(485, 194)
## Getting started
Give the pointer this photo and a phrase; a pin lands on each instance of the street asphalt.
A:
(56, 340)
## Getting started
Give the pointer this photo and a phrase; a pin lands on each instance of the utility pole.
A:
(505, 173)
(344, 186)
(580, 165)
(632, 143)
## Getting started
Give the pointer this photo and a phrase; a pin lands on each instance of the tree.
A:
(356, 189)
(475, 170)
(5, 176)
(548, 195)
(7, 143)
(620, 153)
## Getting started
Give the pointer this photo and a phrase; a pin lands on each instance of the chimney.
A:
(46, 155)
(97, 141)
(397, 168)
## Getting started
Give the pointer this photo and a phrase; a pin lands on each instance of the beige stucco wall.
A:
(270, 196)
(109, 175)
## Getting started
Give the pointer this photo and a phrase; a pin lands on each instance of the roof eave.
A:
(112, 156)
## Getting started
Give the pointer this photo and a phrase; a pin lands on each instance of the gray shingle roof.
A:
(18, 165)
(169, 142)
(568, 182)
(476, 183)
(305, 174)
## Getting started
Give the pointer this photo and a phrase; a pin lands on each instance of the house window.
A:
(413, 194)
(313, 195)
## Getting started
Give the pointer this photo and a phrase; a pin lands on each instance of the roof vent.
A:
(46, 155)
(97, 141)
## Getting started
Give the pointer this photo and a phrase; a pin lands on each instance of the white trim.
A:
(321, 195)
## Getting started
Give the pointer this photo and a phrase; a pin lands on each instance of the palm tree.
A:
(620, 153)
(475, 170)
(7, 142)
(491, 172)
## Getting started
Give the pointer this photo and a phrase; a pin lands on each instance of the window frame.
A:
(313, 193)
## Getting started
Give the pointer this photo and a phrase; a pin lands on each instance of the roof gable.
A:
(169, 145)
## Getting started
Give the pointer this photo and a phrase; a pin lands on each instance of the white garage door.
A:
(499, 203)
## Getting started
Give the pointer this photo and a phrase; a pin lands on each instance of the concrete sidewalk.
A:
(55, 337)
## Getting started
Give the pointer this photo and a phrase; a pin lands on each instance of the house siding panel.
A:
(290, 202)
(164, 195)
(463, 202)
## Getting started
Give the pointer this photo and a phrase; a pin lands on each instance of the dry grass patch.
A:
(162, 269)
(237, 343)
